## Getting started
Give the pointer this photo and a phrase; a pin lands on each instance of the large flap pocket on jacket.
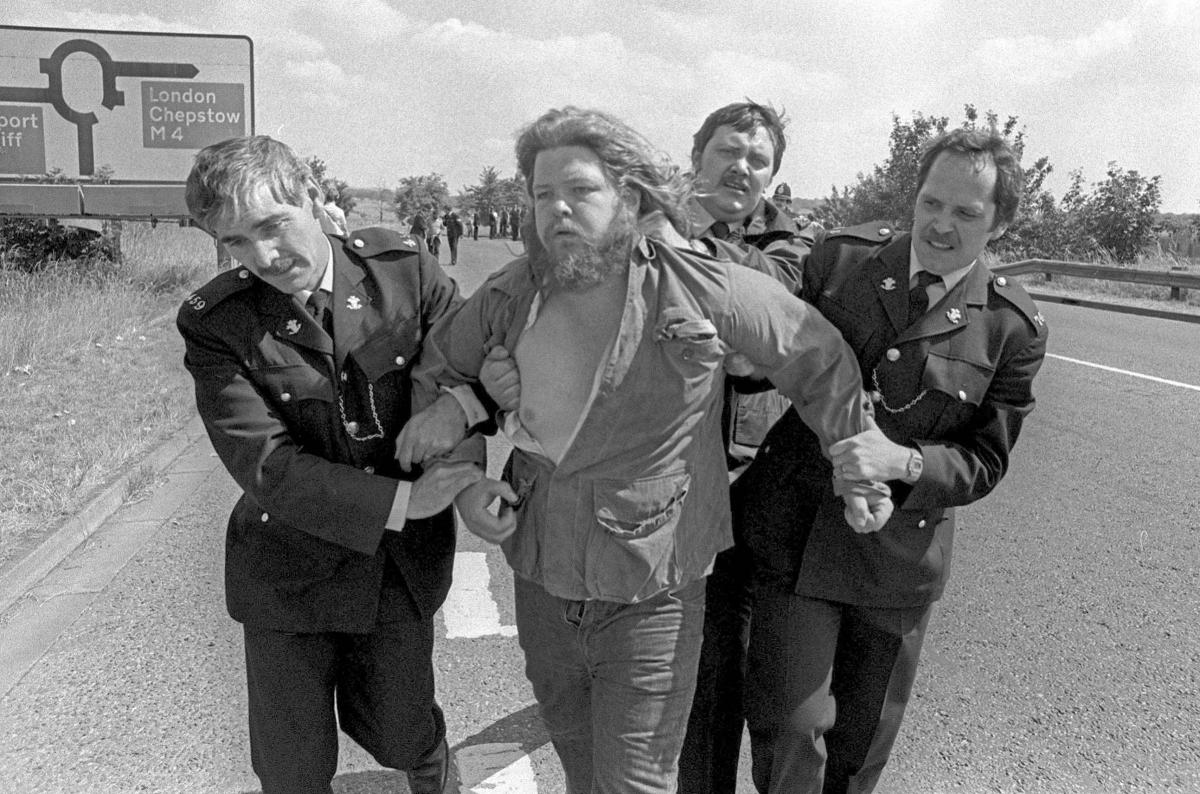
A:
(633, 509)
(635, 547)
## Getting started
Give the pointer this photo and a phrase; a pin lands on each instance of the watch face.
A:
(915, 464)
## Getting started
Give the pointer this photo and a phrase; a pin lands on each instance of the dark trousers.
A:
(379, 687)
(453, 241)
(709, 762)
(827, 685)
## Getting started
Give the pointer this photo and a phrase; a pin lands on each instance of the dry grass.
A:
(1145, 295)
(91, 373)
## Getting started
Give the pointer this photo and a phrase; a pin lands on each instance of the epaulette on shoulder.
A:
(220, 287)
(375, 241)
(1014, 293)
(876, 232)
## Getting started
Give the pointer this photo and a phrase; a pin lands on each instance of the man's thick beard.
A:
(595, 263)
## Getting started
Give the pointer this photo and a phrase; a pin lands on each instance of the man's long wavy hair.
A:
(629, 160)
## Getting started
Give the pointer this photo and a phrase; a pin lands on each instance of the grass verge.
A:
(91, 372)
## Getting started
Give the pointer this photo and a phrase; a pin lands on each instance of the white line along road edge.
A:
(1125, 372)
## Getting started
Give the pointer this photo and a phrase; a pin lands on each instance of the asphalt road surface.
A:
(1063, 657)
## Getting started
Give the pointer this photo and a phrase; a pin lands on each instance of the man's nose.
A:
(559, 207)
(263, 252)
(943, 223)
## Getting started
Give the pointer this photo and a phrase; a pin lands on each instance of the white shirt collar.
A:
(950, 280)
(326, 278)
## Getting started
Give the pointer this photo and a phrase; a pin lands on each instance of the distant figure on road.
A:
(434, 238)
(336, 559)
(493, 224)
(454, 230)
(475, 225)
(419, 228)
(950, 351)
(333, 219)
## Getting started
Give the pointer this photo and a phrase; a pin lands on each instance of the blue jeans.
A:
(614, 683)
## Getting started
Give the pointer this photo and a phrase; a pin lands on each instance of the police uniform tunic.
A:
(957, 385)
(306, 425)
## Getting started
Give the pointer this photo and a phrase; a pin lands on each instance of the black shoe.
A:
(430, 776)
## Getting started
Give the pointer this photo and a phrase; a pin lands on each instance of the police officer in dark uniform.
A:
(736, 152)
(336, 558)
(950, 352)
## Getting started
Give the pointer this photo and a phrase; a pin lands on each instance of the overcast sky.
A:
(382, 89)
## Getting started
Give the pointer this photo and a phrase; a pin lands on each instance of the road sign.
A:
(139, 104)
(22, 140)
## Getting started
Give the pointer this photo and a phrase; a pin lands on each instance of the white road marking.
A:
(469, 610)
(1125, 372)
(495, 769)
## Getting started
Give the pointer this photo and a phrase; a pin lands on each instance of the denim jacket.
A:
(639, 502)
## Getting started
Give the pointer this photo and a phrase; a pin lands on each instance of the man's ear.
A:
(632, 198)
(317, 197)
(998, 232)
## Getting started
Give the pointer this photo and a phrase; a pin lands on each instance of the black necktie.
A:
(318, 307)
(918, 296)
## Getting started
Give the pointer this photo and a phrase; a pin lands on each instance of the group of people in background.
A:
(430, 226)
(738, 446)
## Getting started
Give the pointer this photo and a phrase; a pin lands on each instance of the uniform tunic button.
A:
(352, 427)
(892, 354)
(285, 397)
(400, 361)
(358, 243)
(962, 395)
(921, 524)
(243, 274)
(266, 517)
(1001, 281)
(369, 469)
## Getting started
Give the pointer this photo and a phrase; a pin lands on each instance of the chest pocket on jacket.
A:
(961, 380)
(387, 352)
(690, 342)
(291, 384)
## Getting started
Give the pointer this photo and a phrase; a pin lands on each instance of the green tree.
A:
(336, 190)
(487, 194)
(887, 193)
(419, 194)
(1118, 215)
(495, 192)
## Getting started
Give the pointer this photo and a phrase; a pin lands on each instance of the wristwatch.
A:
(916, 462)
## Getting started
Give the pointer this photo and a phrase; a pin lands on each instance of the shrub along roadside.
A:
(91, 372)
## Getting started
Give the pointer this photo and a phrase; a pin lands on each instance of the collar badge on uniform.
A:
(196, 302)
(353, 302)
(293, 327)
(408, 241)
(889, 284)
(1039, 319)
(953, 315)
